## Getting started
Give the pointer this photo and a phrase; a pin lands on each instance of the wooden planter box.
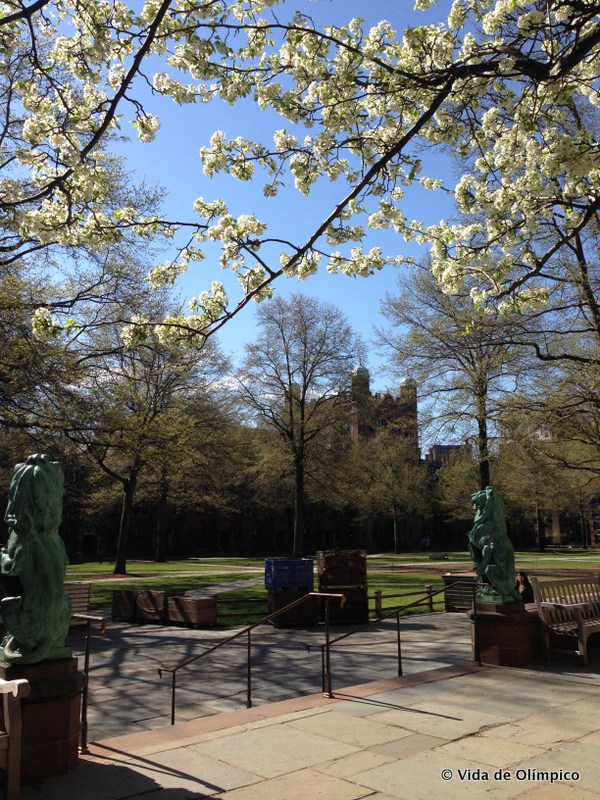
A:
(123, 605)
(140, 606)
(304, 614)
(196, 611)
(151, 606)
(341, 568)
(354, 611)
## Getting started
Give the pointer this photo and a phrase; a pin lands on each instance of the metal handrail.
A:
(248, 631)
(326, 675)
(427, 596)
(103, 622)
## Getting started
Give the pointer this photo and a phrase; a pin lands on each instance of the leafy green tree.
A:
(294, 379)
(546, 469)
(455, 482)
(564, 397)
(462, 357)
(329, 488)
(30, 369)
(129, 407)
(201, 466)
(391, 479)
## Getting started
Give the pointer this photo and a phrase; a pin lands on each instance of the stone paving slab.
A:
(408, 746)
(558, 792)
(194, 771)
(545, 729)
(444, 721)
(420, 778)
(357, 762)
(301, 785)
(490, 751)
(455, 731)
(358, 731)
(575, 755)
(274, 750)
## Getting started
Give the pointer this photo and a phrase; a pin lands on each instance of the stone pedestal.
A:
(505, 634)
(51, 715)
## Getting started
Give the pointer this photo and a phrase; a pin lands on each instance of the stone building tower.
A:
(360, 404)
(370, 412)
(407, 412)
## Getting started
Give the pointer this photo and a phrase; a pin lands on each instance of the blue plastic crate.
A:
(289, 573)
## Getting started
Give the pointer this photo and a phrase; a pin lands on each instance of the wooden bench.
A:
(10, 739)
(164, 607)
(79, 592)
(569, 609)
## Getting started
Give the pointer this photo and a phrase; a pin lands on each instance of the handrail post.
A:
(86, 671)
(249, 672)
(476, 653)
(328, 692)
(173, 687)
(378, 602)
(399, 644)
(84, 694)
(429, 590)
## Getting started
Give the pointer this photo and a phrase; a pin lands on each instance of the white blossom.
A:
(43, 325)
(147, 127)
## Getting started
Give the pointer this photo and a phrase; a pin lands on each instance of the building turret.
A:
(361, 380)
(360, 396)
(407, 408)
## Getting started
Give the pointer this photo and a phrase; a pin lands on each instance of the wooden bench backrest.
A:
(79, 592)
(566, 590)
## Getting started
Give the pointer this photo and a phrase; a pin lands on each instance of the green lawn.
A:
(102, 590)
(244, 604)
(559, 559)
(575, 556)
(412, 585)
(418, 557)
(89, 570)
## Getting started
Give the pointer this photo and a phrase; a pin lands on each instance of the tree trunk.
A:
(541, 526)
(129, 487)
(395, 519)
(583, 525)
(298, 545)
(160, 545)
(483, 444)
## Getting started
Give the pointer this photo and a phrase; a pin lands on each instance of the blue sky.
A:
(172, 161)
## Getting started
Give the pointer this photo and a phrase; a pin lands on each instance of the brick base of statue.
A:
(505, 634)
(51, 715)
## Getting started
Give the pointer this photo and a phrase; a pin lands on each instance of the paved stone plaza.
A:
(445, 728)
(126, 692)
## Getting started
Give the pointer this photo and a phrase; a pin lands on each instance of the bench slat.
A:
(79, 592)
(568, 606)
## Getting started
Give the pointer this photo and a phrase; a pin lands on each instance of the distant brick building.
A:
(370, 412)
(441, 454)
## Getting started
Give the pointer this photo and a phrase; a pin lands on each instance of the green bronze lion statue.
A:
(491, 549)
(36, 621)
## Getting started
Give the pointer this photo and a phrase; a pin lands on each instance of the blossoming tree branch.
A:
(509, 87)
